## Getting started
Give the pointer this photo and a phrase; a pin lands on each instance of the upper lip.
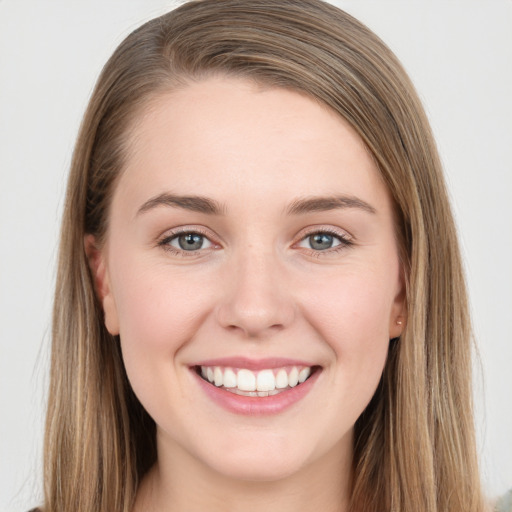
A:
(253, 364)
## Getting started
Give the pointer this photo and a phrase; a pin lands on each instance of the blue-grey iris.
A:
(191, 241)
(321, 241)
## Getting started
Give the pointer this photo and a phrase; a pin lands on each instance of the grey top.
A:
(504, 504)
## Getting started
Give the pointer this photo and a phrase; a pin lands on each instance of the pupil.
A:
(190, 241)
(321, 241)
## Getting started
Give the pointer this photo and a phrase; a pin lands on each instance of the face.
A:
(251, 270)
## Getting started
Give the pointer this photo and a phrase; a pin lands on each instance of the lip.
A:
(255, 406)
(253, 364)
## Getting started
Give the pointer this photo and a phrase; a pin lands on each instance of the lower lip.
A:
(256, 406)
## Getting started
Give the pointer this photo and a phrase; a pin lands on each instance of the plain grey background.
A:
(458, 53)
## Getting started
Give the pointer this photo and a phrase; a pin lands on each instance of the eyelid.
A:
(176, 238)
(330, 230)
(170, 234)
(345, 238)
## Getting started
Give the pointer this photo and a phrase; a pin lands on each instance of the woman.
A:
(260, 293)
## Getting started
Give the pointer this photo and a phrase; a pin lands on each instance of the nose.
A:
(256, 299)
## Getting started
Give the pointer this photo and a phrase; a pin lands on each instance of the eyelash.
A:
(344, 242)
(165, 242)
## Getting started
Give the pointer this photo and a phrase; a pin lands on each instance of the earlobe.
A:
(396, 327)
(100, 274)
(398, 317)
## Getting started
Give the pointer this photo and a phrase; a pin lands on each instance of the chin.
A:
(258, 469)
(256, 459)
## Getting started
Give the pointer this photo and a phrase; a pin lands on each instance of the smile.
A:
(263, 383)
(255, 387)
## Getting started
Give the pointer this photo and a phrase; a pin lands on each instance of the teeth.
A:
(304, 374)
(293, 378)
(229, 379)
(217, 377)
(248, 383)
(246, 380)
(281, 379)
(266, 381)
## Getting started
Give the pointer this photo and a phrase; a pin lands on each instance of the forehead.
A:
(231, 137)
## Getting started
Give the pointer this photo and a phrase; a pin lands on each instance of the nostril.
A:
(255, 303)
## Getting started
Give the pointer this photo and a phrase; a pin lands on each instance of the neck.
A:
(179, 482)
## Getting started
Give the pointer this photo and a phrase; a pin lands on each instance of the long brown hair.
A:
(414, 444)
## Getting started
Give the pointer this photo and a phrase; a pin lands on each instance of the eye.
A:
(322, 241)
(187, 241)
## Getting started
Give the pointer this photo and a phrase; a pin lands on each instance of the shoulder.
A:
(504, 504)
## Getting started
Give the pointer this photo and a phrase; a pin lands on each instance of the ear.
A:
(100, 274)
(398, 316)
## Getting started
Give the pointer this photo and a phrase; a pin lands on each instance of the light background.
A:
(458, 53)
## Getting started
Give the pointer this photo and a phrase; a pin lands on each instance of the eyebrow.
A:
(322, 204)
(192, 203)
(300, 206)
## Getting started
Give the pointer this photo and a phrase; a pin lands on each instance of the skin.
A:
(257, 289)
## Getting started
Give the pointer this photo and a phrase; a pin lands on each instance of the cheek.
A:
(352, 317)
(159, 312)
(353, 309)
